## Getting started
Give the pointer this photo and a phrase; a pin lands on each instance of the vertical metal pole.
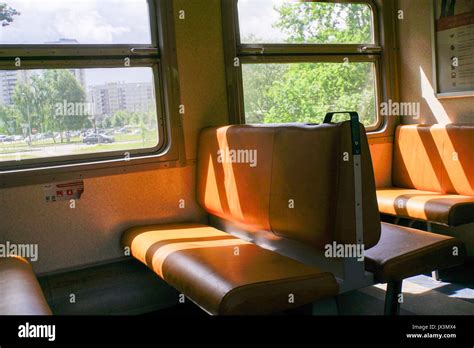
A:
(354, 270)
(356, 152)
(392, 304)
(435, 273)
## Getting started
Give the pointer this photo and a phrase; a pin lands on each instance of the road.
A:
(62, 150)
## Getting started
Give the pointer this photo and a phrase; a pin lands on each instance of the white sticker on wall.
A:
(63, 191)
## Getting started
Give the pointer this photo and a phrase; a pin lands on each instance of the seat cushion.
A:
(434, 158)
(450, 210)
(405, 252)
(20, 293)
(224, 274)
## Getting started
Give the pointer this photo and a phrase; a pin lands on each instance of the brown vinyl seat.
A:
(225, 275)
(303, 190)
(20, 293)
(449, 210)
(432, 175)
(292, 163)
(404, 252)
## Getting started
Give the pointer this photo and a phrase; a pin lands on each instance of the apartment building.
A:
(111, 97)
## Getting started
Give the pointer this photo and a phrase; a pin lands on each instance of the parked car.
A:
(98, 139)
(6, 138)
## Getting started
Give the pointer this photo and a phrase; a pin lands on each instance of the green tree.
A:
(23, 97)
(308, 91)
(65, 90)
(9, 120)
(4, 119)
(43, 103)
(325, 23)
(119, 119)
(151, 118)
(6, 14)
(304, 92)
(40, 103)
(143, 131)
(134, 119)
(257, 100)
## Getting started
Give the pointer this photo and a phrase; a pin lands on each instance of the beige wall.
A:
(201, 67)
(416, 64)
(381, 152)
(91, 232)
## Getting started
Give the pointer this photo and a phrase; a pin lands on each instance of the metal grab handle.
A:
(355, 128)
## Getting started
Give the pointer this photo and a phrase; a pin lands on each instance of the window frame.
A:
(160, 56)
(294, 53)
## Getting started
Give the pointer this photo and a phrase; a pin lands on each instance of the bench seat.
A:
(404, 252)
(444, 209)
(431, 175)
(20, 290)
(301, 193)
(240, 277)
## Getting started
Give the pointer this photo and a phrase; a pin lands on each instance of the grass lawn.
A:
(115, 147)
(47, 147)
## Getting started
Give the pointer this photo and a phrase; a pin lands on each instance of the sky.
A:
(256, 18)
(88, 22)
(113, 21)
(117, 22)
(101, 76)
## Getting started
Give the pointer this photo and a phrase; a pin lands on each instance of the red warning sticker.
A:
(63, 191)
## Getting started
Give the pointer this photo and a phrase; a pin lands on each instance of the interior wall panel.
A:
(381, 153)
(416, 70)
(201, 66)
(91, 232)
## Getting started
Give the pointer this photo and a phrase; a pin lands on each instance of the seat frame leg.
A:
(392, 305)
(435, 276)
(435, 273)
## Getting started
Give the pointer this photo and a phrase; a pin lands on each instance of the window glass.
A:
(62, 112)
(298, 22)
(73, 22)
(305, 92)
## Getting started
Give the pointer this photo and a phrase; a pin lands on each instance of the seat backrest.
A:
(300, 184)
(434, 158)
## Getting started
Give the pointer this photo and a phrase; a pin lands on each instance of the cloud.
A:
(92, 28)
(256, 19)
(87, 21)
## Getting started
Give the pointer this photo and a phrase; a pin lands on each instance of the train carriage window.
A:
(84, 88)
(298, 22)
(301, 59)
(303, 92)
(77, 22)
